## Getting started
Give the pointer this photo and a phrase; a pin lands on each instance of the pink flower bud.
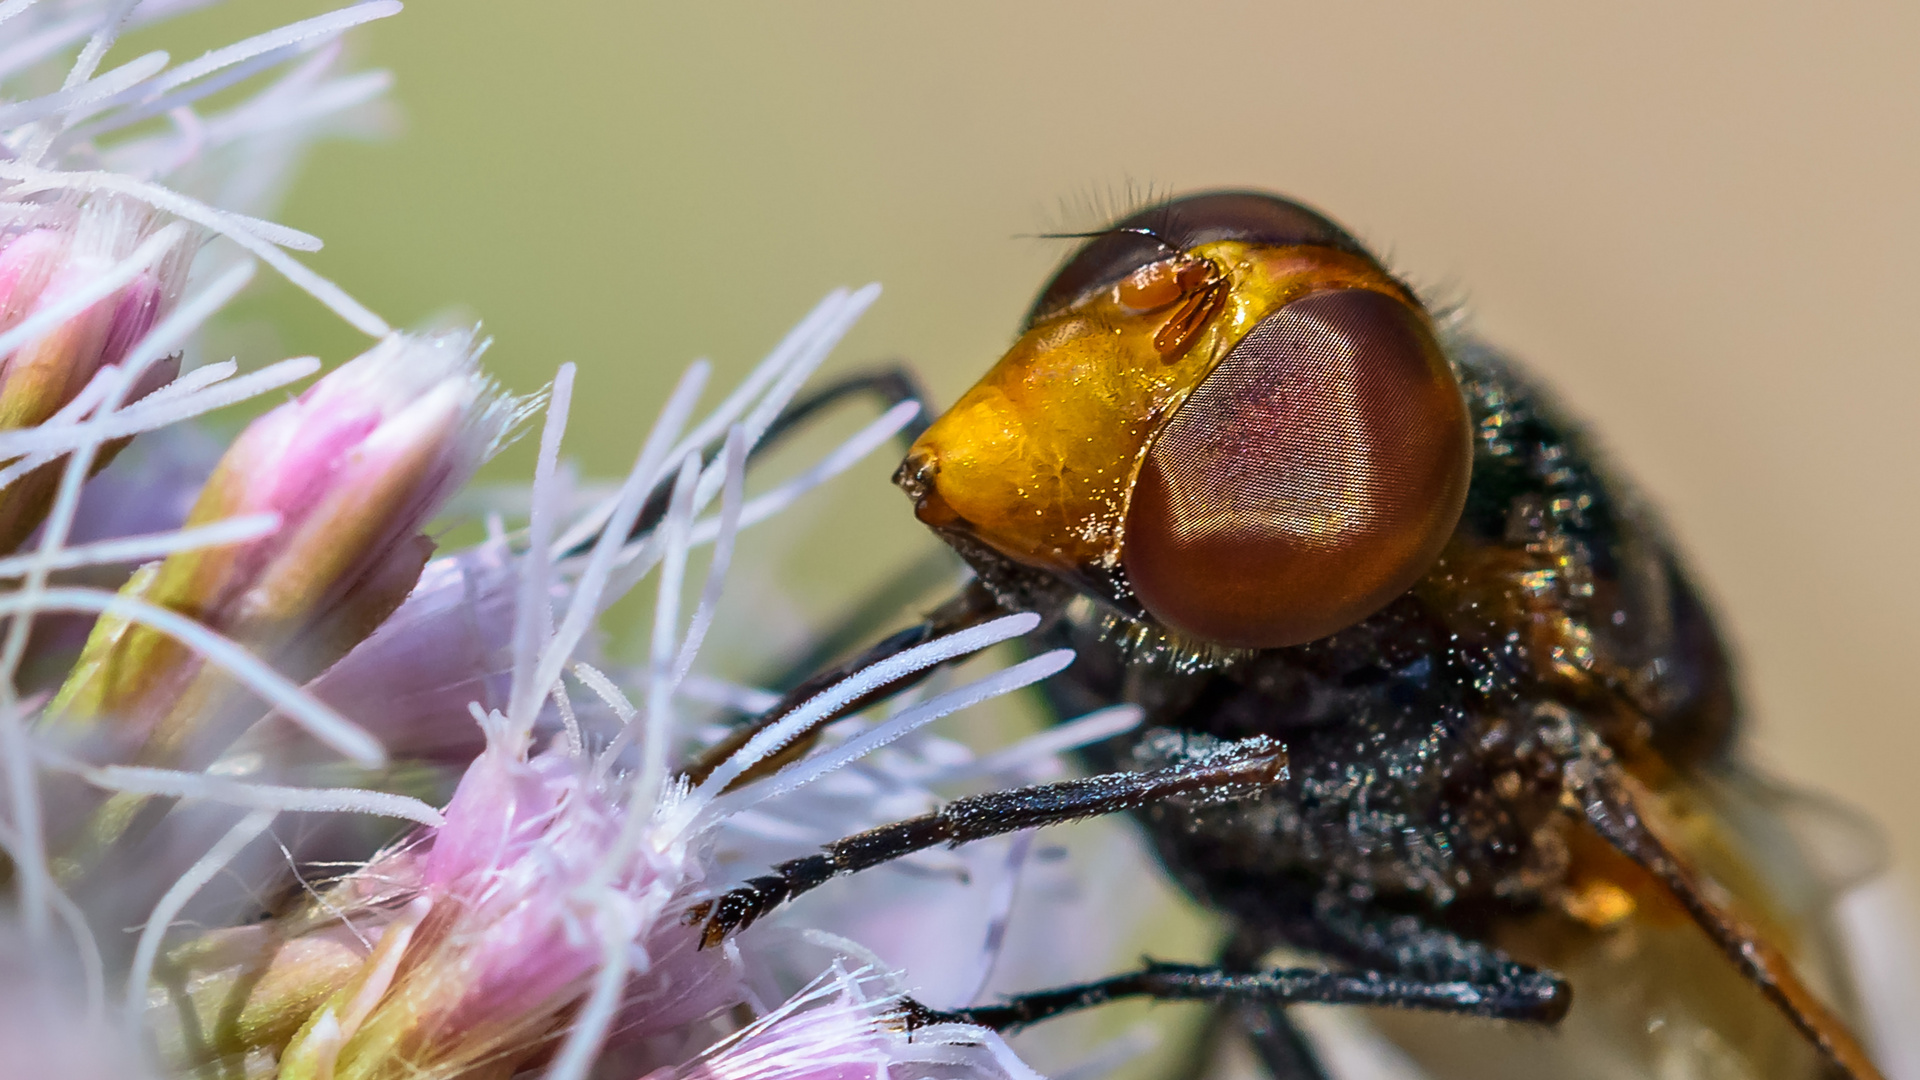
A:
(251, 987)
(354, 468)
(512, 904)
(46, 266)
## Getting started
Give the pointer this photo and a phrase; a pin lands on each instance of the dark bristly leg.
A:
(1243, 769)
(1530, 1001)
(1276, 1040)
(892, 385)
(1278, 1043)
(1435, 970)
(973, 606)
(935, 568)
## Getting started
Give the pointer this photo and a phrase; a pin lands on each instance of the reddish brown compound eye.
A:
(1309, 480)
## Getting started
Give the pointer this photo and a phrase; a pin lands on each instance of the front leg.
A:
(1238, 770)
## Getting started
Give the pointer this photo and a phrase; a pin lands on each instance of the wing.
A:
(1761, 994)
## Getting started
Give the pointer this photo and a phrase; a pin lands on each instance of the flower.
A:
(512, 902)
(352, 469)
(554, 888)
(54, 258)
(94, 314)
(845, 1025)
(538, 918)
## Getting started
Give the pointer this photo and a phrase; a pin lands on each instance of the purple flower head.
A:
(512, 903)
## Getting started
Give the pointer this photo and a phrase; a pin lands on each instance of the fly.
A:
(1430, 699)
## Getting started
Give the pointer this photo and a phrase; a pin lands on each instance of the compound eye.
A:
(1306, 482)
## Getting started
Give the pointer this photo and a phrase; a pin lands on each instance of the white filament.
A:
(938, 651)
(155, 411)
(843, 457)
(1004, 681)
(652, 774)
(140, 780)
(215, 860)
(533, 614)
(351, 740)
(734, 457)
(127, 549)
(628, 503)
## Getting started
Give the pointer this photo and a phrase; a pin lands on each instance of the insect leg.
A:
(1409, 947)
(1515, 999)
(1276, 1040)
(1399, 962)
(973, 606)
(892, 385)
(1239, 770)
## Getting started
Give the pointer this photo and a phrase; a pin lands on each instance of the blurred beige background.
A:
(1701, 223)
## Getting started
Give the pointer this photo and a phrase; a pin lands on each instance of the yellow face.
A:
(1039, 458)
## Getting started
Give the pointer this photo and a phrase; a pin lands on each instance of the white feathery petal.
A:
(920, 657)
(224, 850)
(44, 42)
(658, 716)
(91, 92)
(14, 7)
(795, 347)
(605, 689)
(323, 723)
(628, 503)
(533, 614)
(129, 549)
(170, 409)
(843, 457)
(307, 33)
(258, 238)
(1004, 681)
(734, 458)
(142, 780)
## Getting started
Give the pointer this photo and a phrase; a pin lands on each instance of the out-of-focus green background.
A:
(1700, 222)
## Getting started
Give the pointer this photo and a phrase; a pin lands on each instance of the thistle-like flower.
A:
(543, 915)
(351, 470)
